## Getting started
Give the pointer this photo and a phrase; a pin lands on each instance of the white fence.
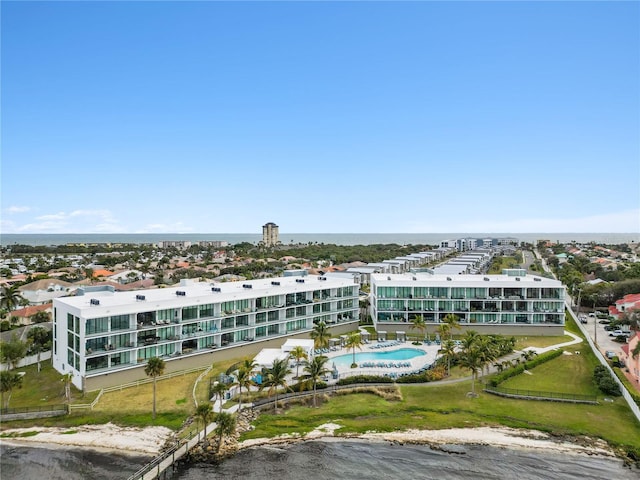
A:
(30, 360)
(625, 393)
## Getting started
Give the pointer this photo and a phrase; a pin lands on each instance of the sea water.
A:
(326, 460)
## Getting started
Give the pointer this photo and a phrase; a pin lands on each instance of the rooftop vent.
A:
(323, 278)
(94, 301)
(181, 293)
(486, 279)
(247, 285)
(536, 279)
(389, 278)
(299, 280)
(277, 284)
(216, 289)
(517, 279)
(448, 279)
(414, 279)
(140, 298)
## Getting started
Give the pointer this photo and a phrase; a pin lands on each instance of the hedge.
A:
(627, 384)
(518, 369)
(364, 379)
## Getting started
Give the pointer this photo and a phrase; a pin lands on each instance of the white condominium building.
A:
(103, 332)
(509, 303)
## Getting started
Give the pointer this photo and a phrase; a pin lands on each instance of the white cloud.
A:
(16, 209)
(77, 221)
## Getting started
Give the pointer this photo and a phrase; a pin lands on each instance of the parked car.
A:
(605, 321)
(616, 333)
(610, 354)
(609, 328)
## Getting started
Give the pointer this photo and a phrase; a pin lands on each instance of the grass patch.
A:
(564, 374)
(540, 342)
(181, 401)
(19, 435)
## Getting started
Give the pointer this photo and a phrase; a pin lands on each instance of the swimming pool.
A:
(344, 361)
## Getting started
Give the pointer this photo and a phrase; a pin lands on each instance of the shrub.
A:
(364, 379)
(605, 381)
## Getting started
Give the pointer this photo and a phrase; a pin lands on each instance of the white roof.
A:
(427, 280)
(267, 355)
(292, 343)
(196, 293)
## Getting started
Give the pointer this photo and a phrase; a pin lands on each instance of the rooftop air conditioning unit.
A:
(537, 279)
(486, 279)
(517, 279)
(140, 298)
(181, 293)
(216, 289)
(299, 280)
(247, 285)
(94, 301)
(448, 279)
(277, 284)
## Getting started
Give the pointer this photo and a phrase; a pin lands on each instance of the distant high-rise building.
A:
(270, 235)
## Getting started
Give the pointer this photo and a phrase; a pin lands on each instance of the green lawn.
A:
(44, 388)
(565, 374)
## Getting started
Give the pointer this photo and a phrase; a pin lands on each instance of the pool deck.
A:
(415, 363)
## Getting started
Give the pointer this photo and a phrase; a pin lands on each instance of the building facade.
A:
(515, 305)
(270, 235)
(100, 333)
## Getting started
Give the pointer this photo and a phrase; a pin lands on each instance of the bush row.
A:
(518, 369)
(364, 379)
(605, 382)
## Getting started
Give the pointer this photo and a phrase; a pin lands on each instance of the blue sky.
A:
(417, 117)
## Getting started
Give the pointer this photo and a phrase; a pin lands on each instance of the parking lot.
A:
(601, 337)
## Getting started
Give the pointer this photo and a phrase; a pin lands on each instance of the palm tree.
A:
(205, 412)
(225, 425)
(488, 352)
(451, 319)
(8, 381)
(10, 297)
(354, 340)
(419, 324)
(66, 379)
(470, 357)
(447, 348)
(218, 391)
(275, 377)
(154, 368)
(244, 377)
(314, 370)
(298, 353)
(320, 335)
(13, 351)
(38, 339)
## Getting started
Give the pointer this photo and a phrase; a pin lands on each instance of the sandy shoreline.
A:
(503, 437)
(150, 440)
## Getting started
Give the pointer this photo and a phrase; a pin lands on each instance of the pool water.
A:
(345, 361)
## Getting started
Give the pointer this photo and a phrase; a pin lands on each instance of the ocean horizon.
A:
(48, 239)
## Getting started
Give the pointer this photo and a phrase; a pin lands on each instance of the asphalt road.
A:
(601, 337)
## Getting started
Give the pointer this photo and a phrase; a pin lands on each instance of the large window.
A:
(120, 322)
(206, 310)
(190, 313)
(97, 325)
